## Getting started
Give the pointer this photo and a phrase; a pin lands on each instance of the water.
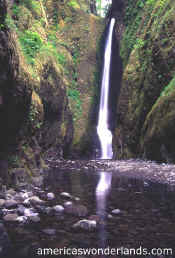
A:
(102, 192)
(105, 135)
(147, 215)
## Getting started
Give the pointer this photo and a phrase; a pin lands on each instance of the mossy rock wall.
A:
(145, 109)
(47, 83)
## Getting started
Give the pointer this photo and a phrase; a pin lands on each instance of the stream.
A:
(101, 208)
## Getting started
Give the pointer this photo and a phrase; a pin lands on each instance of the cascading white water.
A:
(105, 135)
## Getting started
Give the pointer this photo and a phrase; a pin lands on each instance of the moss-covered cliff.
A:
(146, 106)
(47, 80)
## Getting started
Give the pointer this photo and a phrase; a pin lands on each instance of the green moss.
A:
(148, 56)
(74, 4)
(31, 43)
(74, 97)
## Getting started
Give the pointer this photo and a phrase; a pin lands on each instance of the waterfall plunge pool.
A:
(129, 212)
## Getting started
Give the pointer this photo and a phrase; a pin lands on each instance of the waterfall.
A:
(105, 135)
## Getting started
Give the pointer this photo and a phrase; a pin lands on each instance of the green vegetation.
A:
(73, 3)
(147, 95)
(31, 44)
(74, 96)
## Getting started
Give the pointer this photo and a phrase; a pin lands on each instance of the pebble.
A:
(6, 211)
(35, 218)
(22, 219)
(26, 202)
(109, 216)
(36, 200)
(58, 208)
(67, 204)
(11, 192)
(21, 210)
(10, 217)
(11, 204)
(30, 213)
(116, 211)
(85, 224)
(50, 196)
(65, 195)
(2, 202)
(77, 199)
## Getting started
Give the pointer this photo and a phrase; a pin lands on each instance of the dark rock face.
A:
(15, 95)
(145, 109)
(24, 108)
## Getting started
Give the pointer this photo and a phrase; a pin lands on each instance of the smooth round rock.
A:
(85, 224)
(34, 218)
(11, 204)
(10, 217)
(50, 196)
(30, 213)
(67, 204)
(116, 211)
(58, 208)
(22, 219)
(21, 210)
(2, 202)
(36, 200)
(66, 195)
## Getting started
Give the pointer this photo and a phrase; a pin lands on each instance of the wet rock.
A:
(85, 224)
(67, 204)
(4, 240)
(11, 192)
(19, 198)
(66, 195)
(36, 200)
(50, 196)
(77, 199)
(116, 211)
(77, 210)
(30, 213)
(22, 196)
(26, 202)
(49, 231)
(10, 217)
(2, 203)
(58, 208)
(109, 216)
(21, 210)
(35, 218)
(22, 219)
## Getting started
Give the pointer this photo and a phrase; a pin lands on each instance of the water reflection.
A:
(102, 191)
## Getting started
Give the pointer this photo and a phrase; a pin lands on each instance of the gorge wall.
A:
(145, 111)
(48, 79)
